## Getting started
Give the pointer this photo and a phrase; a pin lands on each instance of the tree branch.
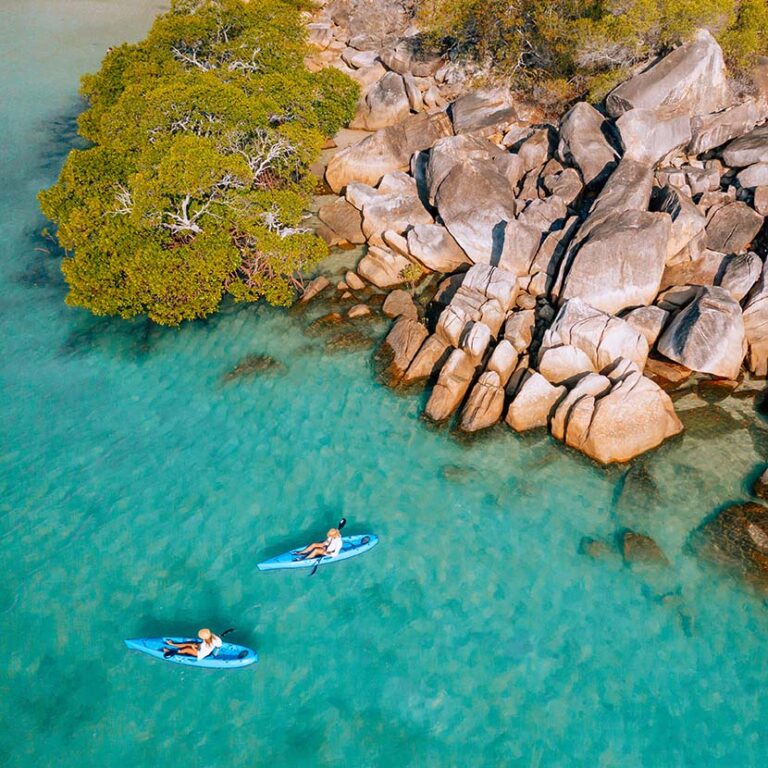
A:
(124, 201)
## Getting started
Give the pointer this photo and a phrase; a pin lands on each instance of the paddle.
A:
(341, 524)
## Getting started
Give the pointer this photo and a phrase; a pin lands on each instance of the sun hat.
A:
(205, 634)
(334, 533)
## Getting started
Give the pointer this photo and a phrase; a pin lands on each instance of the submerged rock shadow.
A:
(57, 137)
(43, 268)
(131, 339)
(729, 544)
(252, 366)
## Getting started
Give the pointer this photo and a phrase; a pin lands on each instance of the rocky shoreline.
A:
(578, 272)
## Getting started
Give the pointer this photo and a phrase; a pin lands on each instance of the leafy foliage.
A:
(575, 46)
(198, 177)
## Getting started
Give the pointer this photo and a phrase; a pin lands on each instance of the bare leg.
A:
(189, 650)
(313, 551)
(184, 649)
(307, 549)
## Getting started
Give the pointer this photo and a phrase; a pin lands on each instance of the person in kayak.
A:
(328, 548)
(209, 644)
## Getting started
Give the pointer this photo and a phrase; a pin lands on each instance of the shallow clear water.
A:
(139, 489)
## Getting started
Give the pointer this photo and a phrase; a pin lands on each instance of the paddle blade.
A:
(342, 523)
(227, 631)
(314, 570)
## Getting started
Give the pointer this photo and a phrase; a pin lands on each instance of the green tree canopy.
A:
(197, 179)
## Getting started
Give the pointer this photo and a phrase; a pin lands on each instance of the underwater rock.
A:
(760, 487)
(710, 422)
(594, 548)
(714, 390)
(737, 539)
(254, 365)
(638, 548)
(348, 341)
(324, 323)
(359, 310)
(455, 473)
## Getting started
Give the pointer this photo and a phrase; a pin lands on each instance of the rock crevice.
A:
(574, 263)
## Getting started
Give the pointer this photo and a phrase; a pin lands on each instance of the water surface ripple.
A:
(140, 485)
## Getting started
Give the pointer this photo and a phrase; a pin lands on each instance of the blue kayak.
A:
(228, 657)
(351, 547)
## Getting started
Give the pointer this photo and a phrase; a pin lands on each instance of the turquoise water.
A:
(139, 489)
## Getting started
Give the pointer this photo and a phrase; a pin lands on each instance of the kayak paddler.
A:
(328, 548)
(209, 644)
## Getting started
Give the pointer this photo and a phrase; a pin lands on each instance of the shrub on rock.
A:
(571, 48)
